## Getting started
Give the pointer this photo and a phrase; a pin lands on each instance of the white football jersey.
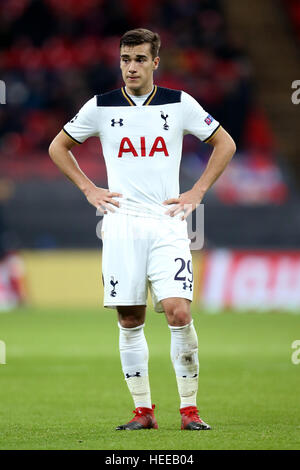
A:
(142, 145)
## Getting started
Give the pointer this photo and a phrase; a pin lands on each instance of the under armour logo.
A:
(185, 286)
(164, 117)
(74, 118)
(113, 283)
(114, 122)
(137, 374)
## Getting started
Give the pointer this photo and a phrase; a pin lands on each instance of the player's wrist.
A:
(87, 188)
(199, 191)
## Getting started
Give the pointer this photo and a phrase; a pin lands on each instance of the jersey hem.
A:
(212, 134)
(72, 138)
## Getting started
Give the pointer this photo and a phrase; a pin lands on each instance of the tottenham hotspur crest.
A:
(113, 283)
(164, 117)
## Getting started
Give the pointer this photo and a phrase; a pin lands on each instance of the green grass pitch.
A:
(62, 386)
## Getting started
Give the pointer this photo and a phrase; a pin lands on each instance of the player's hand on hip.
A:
(102, 199)
(186, 203)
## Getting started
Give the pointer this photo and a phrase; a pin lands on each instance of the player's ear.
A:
(156, 63)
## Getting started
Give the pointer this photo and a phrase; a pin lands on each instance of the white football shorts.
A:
(141, 252)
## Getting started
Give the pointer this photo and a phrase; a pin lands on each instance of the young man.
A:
(145, 242)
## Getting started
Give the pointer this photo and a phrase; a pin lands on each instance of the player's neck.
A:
(141, 91)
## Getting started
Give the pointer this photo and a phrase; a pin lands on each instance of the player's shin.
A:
(184, 355)
(134, 359)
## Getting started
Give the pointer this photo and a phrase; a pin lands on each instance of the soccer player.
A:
(145, 242)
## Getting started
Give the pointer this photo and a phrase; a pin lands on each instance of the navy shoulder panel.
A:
(166, 96)
(112, 98)
(117, 98)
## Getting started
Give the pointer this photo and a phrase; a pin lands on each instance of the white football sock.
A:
(134, 355)
(184, 355)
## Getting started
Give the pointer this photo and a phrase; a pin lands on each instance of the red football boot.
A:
(144, 419)
(191, 420)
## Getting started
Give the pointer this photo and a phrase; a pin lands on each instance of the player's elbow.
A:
(53, 150)
(57, 146)
(227, 142)
(231, 146)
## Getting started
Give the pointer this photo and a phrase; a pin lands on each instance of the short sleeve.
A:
(84, 124)
(196, 120)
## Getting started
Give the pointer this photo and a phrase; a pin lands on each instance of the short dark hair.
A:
(138, 36)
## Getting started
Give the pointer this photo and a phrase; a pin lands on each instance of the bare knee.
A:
(131, 317)
(177, 311)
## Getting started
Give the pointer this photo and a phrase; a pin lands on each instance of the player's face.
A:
(137, 66)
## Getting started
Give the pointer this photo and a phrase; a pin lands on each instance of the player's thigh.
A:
(124, 262)
(170, 270)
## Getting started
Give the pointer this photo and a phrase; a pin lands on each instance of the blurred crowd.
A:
(55, 55)
(293, 11)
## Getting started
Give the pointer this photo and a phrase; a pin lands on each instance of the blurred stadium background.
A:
(238, 59)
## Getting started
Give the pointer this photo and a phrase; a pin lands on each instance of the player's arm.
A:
(60, 153)
(223, 150)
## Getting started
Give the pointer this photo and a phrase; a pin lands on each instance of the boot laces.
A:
(193, 414)
(138, 414)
